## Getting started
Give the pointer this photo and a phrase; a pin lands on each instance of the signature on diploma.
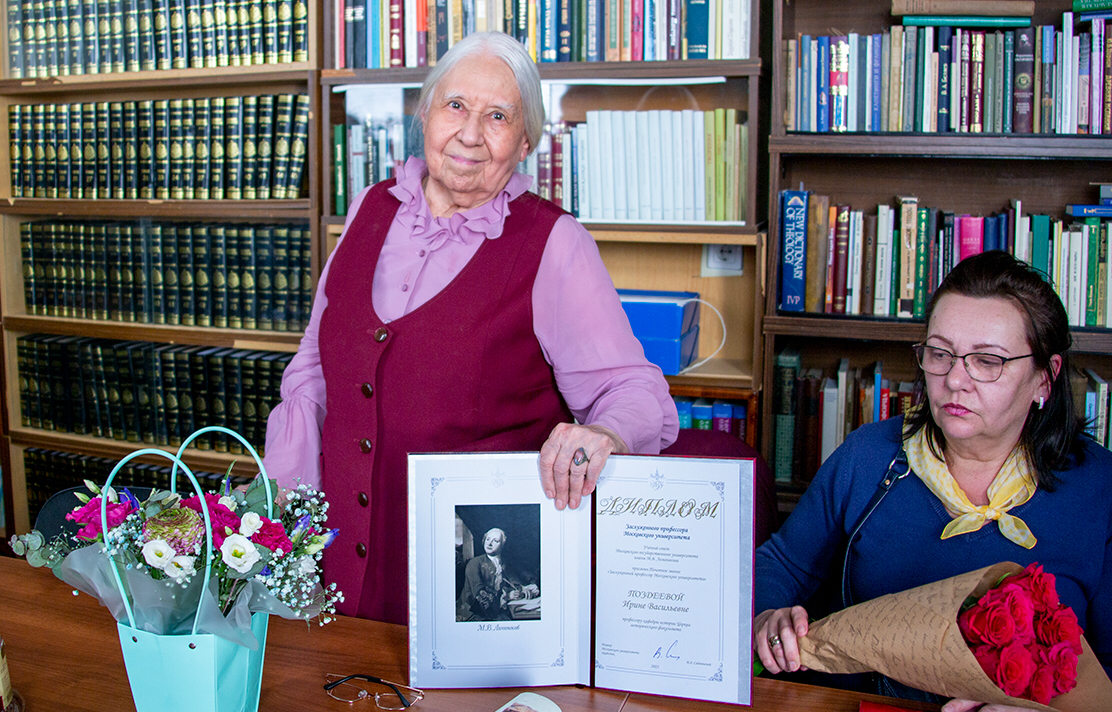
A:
(666, 654)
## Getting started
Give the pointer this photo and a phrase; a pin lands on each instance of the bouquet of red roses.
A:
(1023, 638)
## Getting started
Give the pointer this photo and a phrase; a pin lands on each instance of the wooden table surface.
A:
(64, 654)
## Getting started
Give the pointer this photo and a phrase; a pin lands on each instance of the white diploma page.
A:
(674, 577)
(499, 581)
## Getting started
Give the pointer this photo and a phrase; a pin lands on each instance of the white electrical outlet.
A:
(721, 261)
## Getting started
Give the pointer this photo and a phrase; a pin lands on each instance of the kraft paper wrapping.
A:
(913, 637)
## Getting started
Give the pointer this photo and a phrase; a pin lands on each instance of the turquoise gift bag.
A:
(198, 672)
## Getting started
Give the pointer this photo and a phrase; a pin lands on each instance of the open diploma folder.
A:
(500, 582)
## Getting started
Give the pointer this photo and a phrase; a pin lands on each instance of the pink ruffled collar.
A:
(485, 221)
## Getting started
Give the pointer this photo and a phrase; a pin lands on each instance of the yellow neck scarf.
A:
(1013, 486)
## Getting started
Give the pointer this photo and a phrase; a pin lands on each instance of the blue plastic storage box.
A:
(666, 324)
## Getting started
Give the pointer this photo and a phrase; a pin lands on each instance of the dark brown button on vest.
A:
(365, 445)
(364, 500)
(361, 550)
(368, 390)
(380, 334)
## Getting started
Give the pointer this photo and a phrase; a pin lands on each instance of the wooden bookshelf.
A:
(962, 172)
(303, 209)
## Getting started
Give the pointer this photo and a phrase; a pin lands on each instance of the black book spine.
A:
(291, 315)
(113, 253)
(179, 58)
(15, 148)
(248, 278)
(198, 374)
(202, 275)
(112, 384)
(216, 390)
(305, 298)
(282, 128)
(264, 146)
(50, 36)
(44, 268)
(233, 397)
(62, 150)
(101, 292)
(169, 379)
(170, 273)
(144, 136)
(250, 139)
(186, 305)
(90, 31)
(194, 34)
(89, 151)
(233, 294)
(29, 41)
(244, 30)
(216, 148)
(202, 135)
(127, 275)
(141, 271)
(266, 393)
(131, 150)
(75, 387)
(220, 30)
(104, 155)
(27, 149)
(160, 19)
(116, 148)
(182, 367)
(38, 151)
(161, 143)
(75, 15)
(285, 31)
(208, 32)
(44, 349)
(40, 47)
(89, 401)
(100, 384)
(300, 31)
(218, 273)
(66, 269)
(35, 373)
(299, 147)
(176, 164)
(50, 150)
(249, 397)
(129, 410)
(83, 278)
(56, 273)
(24, 349)
(15, 39)
(27, 253)
(270, 31)
(148, 56)
(188, 149)
(139, 355)
(157, 279)
(233, 148)
(132, 60)
(118, 61)
(264, 277)
(76, 152)
(157, 393)
(61, 36)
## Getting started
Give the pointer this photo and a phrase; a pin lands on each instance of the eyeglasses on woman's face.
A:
(982, 367)
(341, 687)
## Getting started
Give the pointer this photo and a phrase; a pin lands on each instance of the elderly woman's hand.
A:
(776, 634)
(566, 477)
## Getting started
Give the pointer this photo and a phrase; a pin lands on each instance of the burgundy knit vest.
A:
(462, 372)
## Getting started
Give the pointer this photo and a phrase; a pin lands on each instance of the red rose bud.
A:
(1058, 626)
(1015, 670)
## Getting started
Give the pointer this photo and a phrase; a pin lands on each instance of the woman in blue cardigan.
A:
(1000, 470)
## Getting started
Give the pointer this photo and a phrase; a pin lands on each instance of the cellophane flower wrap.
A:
(265, 557)
(915, 637)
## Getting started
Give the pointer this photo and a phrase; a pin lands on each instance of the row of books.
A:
(232, 275)
(414, 33)
(143, 392)
(717, 414)
(1090, 398)
(222, 148)
(367, 152)
(50, 38)
(953, 79)
(838, 260)
(814, 409)
(48, 472)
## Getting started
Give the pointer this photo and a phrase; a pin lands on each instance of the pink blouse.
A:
(599, 365)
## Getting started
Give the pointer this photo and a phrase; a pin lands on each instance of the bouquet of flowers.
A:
(264, 554)
(958, 638)
(1025, 640)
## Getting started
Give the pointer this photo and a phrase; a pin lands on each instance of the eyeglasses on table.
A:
(341, 687)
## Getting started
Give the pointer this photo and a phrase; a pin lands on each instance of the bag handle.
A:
(177, 461)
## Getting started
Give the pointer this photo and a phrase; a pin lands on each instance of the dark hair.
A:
(1052, 433)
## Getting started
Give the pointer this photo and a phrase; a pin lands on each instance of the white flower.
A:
(158, 553)
(229, 502)
(250, 523)
(179, 568)
(239, 553)
(306, 566)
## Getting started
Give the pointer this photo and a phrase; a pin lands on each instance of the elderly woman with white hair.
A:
(459, 312)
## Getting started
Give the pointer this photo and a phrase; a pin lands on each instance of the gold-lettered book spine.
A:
(264, 147)
(188, 148)
(186, 296)
(250, 143)
(161, 143)
(175, 148)
(282, 127)
(144, 124)
(233, 148)
(202, 276)
(116, 149)
(216, 148)
(202, 132)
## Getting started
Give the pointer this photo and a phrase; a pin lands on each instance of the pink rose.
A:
(1040, 585)
(990, 623)
(988, 656)
(1015, 670)
(1041, 689)
(88, 515)
(1058, 626)
(1019, 604)
(1062, 661)
(272, 535)
(224, 521)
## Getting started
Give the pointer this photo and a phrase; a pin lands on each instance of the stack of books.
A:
(223, 148)
(375, 34)
(839, 260)
(227, 275)
(142, 392)
(70, 37)
(956, 71)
